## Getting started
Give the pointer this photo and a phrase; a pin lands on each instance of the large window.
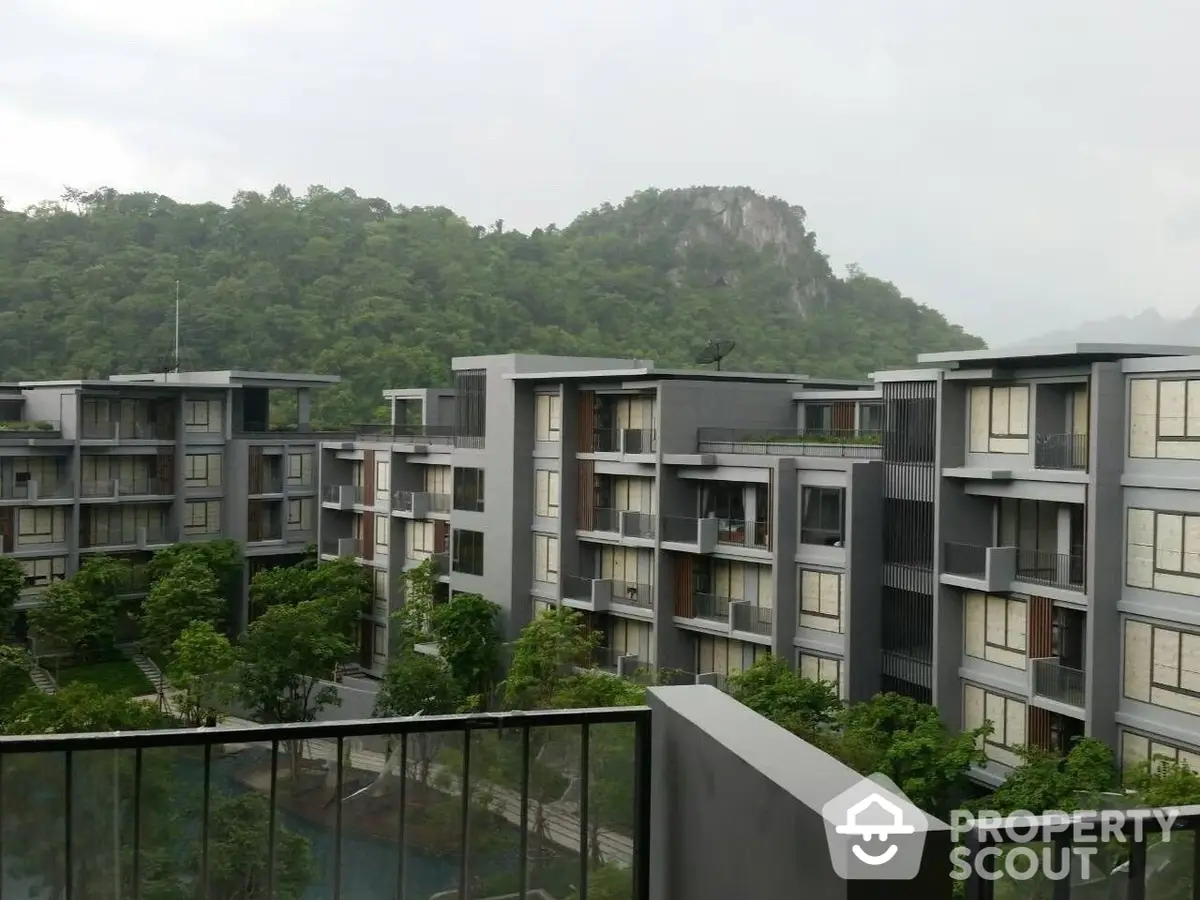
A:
(546, 487)
(725, 656)
(300, 470)
(822, 519)
(999, 419)
(1138, 748)
(204, 416)
(821, 668)
(43, 572)
(468, 552)
(726, 501)
(202, 517)
(299, 515)
(545, 558)
(202, 470)
(468, 489)
(548, 417)
(1163, 551)
(820, 600)
(1008, 722)
(995, 629)
(1162, 666)
(45, 525)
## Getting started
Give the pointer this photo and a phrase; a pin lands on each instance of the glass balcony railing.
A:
(753, 618)
(638, 525)
(632, 593)
(969, 560)
(705, 606)
(860, 444)
(602, 519)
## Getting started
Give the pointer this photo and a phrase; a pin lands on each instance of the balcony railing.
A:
(30, 428)
(415, 434)
(577, 587)
(1061, 451)
(604, 520)
(637, 525)
(707, 606)
(965, 559)
(739, 533)
(624, 440)
(290, 808)
(37, 490)
(787, 442)
(753, 618)
(1060, 570)
(632, 593)
(267, 483)
(1054, 681)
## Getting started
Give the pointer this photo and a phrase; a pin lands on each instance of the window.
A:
(870, 418)
(202, 517)
(203, 416)
(821, 668)
(299, 515)
(725, 656)
(726, 501)
(42, 572)
(626, 637)
(1162, 666)
(383, 471)
(468, 489)
(299, 470)
(437, 480)
(418, 539)
(821, 517)
(999, 419)
(1163, 551)
(202, 470)
(42, 526)
(995, 629)
(546, 485)
(1138, 748)
(545, 558)
(1008, 722)
(382, 532)
(468, 552)
(820, 600)
(547, 410)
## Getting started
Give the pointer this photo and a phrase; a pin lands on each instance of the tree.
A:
(100, 580)
(341, 585)
(468, 639)
(239, 859)
(1045, 780)
(64, 619)
(188, 593)
(12, 582)
(414, 618)
(419, 685)
(223, 558)
(773, 689)
(80, 707)
(543, 655)
(201, 672)
(907, 741)
(14, 676)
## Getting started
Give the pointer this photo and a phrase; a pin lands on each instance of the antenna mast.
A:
(176, 326)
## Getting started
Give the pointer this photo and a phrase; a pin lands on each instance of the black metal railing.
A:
(740, 533)
(710, 606)
(788, 442)
(965, 559)
(638, 525)
(603, 519)
(753, 618)
(436, 804)
(1141, 853)
(1053, 680)
(633, 593)
(1061, 451)
(424, 434)
(1061, 570)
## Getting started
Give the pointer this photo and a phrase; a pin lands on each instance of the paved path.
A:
(561, 818)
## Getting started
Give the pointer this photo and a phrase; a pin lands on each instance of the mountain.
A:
(386, 295)
(1149, 327)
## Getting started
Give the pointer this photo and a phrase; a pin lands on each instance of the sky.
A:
(1020, 167)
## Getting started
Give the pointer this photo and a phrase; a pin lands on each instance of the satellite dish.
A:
(716, 351)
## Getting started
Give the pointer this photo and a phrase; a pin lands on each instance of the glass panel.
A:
(33, 836)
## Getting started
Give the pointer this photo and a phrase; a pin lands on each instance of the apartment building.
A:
(134, 463)
(699, 519)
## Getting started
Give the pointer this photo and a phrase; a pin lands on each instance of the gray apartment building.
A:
(1014, 537)
(132, 464)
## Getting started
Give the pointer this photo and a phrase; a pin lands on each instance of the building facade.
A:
(132, 464)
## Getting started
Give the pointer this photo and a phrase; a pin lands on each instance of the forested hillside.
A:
(385, 296)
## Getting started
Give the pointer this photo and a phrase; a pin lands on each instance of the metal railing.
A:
(638, 525)
(85, 810)
(604, 519)
(577, 587)
(98, 431)
(632, 593)
(60, 489)
(710, 606)
(1053, 680)
(1144, 853)
(267, 483)
(825, 537)
(788, 442)
(424, 434)
(964, 559)
(1061, 570)
(753, 618)
(740, 533)
(606, 440)
(1060, 451)
(638, 440)
(681, 529)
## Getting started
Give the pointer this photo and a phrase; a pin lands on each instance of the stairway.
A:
(146, 666)
(43, 680)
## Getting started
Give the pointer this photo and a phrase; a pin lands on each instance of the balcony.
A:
(266, 483)
(978, 567)
(419, 504)
(614, 661)
(438, 435)
(624, 441)
(848, 444)
(117, 432)
(118, 489)
(690, 534)
(710, 607)
(752, 618)
(602, 521)
(1061, 451)
(346, 547)
(739, 533)
(341, 496)
(638, 525)
(1051, 680)
(633, 594)
(1059, 570)
(32, 491)
(30, 430)
(591, 594)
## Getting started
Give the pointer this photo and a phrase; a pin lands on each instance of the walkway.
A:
(561, 818)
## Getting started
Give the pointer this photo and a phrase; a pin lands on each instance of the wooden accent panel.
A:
(367, 550)
(843, 416)
(587, 494)
(7, 517)
(1037, 729)
(587, 421)
(683, 586)
(441, 536)
(369, 477)
(1041, 635)
(255, 467)
(254, 514)
(165, 471)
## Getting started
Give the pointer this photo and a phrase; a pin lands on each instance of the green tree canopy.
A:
(417, 684)
(467, 632)
(80, 707)
(773, 689)
(542, 655)
(12, 582)
(188, 593)
(201, 671)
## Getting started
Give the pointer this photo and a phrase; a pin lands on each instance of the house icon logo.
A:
(874, 832)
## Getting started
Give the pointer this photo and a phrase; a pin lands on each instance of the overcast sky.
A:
(1020, 166)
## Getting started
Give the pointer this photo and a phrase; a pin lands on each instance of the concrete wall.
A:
(736, 809)
(685, 406)
(864, 565)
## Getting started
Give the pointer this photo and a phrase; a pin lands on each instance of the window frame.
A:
(298, 522)
(1008, 389)
(466, 555)
(807, 494)
(1004, 648)
(189, 517)
(552, 478)
(550, 542)
(1187, 388)
(468, 496)
(304, 463)
(547, 417)
(816, 613)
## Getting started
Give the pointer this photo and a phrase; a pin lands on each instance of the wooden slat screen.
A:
(683, 586)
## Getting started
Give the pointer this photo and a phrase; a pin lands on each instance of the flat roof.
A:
(1061, 354)
(417, 393)
(651, 373)
(230, 378)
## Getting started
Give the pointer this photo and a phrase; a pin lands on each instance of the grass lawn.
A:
(118, 675)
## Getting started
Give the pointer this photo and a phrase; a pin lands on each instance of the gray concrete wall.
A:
(736, 809)
(785, 525)
(864, 566)
(685, 406)
(1105, 549)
